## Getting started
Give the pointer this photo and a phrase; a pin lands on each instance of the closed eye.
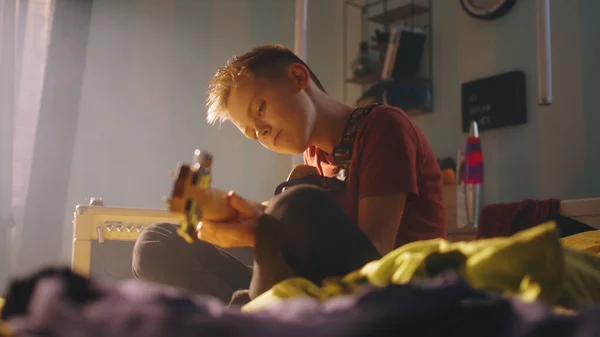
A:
(261, 109)
(251, 132)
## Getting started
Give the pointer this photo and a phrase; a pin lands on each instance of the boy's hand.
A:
(237, 232)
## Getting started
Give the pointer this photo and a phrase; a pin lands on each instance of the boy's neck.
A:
(330, 122)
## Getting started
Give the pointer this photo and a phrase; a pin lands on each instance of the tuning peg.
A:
(166, 200)
(196, 158)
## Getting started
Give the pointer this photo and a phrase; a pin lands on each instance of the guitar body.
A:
(196, 201)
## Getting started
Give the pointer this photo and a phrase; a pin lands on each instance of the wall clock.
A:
(487, 9)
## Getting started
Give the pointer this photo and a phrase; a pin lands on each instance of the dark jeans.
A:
(303, 233)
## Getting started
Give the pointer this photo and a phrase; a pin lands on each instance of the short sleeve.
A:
(388, 149)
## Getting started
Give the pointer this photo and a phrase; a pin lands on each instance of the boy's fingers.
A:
(241, 205)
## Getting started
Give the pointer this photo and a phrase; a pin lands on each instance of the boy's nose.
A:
(263, 131)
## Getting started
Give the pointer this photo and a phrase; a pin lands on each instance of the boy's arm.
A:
(379, 218)
(297, 172)
(387, 177)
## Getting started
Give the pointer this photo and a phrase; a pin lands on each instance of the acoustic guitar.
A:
(194, 198)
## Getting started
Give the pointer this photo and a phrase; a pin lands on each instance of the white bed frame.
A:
(583, 210)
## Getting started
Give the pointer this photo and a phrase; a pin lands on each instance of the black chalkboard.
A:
(495, 102)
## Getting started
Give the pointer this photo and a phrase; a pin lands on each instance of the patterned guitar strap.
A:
(342, 155)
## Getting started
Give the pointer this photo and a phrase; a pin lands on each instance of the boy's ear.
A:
(299, 74)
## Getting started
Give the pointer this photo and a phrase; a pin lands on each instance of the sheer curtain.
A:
(24, 44)
(42, 56)
(7, 88)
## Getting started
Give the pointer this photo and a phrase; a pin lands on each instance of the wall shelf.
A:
(399, 13)
(379, 47)
(364, 79)
(378, 15)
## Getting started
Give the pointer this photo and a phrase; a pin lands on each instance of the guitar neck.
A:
(213, 202)
(196, 201)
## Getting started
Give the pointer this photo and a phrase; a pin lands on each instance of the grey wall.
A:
(149, 62)
(590, 54)
(554, 154)
(142, 109)
(544, 158)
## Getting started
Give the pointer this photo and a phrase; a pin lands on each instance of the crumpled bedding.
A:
(66, 305)
(493, 287)
(532, 265)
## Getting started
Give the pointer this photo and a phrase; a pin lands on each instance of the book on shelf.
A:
(404, 52)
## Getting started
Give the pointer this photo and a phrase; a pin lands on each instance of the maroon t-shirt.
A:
(391, 155)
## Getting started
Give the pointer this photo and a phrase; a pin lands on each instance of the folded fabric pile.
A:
(504, 287)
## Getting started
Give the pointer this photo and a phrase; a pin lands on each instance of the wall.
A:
(142, 109)
(149, 62)
(554, 154)
(544, 158)
(325, 44)
(590, 54)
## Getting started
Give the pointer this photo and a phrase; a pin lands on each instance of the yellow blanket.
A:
(4, 331)
(586, 241)
(532, 265)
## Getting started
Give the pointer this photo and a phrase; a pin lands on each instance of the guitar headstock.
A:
(195, 199)
(188, 180)
(183, 202)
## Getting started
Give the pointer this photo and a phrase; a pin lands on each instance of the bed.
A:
(584, 210)
(128, 308)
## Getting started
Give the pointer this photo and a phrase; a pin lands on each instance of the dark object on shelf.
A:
(365, 79)
(487, 10)
(413, 96)
(365, 63)
(381, 16)
(495, 102)
(404, 60)
(447, 163)
(381, 37)
(382, 48)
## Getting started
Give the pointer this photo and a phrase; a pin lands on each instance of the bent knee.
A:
(162, 231)
(155, 246)
(306, 205)
(160, 254)
(301, 198)
(303, 192)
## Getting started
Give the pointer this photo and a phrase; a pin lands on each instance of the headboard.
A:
(583, 210)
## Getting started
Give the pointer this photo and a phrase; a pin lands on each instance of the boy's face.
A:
(276, 112)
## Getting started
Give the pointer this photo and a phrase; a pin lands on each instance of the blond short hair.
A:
(266, 60)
